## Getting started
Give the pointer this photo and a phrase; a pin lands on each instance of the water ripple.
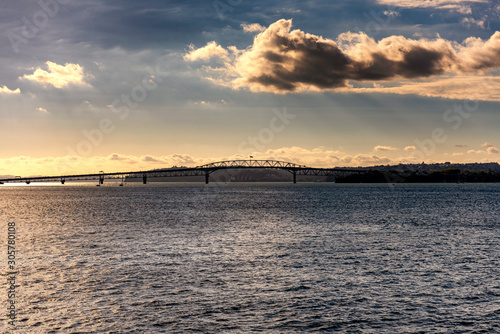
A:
(256, 258)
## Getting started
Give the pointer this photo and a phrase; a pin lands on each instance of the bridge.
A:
(203, 170)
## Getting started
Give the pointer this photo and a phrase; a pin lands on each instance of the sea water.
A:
(271, 258)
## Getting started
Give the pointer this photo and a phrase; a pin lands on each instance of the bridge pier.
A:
(207, 175)
(28, 181)
(294, 176)
(101, 179)
(144, 178)
(62, 180)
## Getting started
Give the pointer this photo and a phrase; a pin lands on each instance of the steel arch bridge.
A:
(203, 170)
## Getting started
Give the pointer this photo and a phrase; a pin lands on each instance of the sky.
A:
(134, 85)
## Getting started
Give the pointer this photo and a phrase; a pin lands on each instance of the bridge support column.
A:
(62, 180)
(144, 178)
(294, 176)
(101, 179)
(207, 175)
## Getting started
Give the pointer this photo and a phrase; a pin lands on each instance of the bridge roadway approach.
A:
(204, 170)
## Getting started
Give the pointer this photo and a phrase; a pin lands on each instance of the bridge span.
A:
(203, 170)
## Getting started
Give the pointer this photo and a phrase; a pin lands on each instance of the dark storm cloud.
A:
(281, 60)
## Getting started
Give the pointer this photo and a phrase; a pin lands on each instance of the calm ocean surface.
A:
(271, 258)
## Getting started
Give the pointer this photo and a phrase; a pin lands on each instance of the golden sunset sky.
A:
(132, 85)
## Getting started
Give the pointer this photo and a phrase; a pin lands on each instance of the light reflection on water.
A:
(256, 257)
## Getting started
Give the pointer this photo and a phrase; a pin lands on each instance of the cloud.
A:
(149, 158)
(483, 88)
(182, 159)
(410, 148)
(437, 4)
(492, 150)
(391, 13)
(40, 109)
(119, 157)
(281, 60)
(210, 50)
(384, 148)
(254, 27)
(59, 76)
(469, 21)
(464, 10)
(460, 145)
(365, 160)
(7, 91)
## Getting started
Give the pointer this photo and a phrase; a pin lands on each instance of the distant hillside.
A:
(449, 175)
(429, 168)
